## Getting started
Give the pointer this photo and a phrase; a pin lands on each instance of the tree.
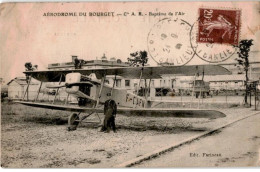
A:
(138, 58)
(30, 67)
(243, 60)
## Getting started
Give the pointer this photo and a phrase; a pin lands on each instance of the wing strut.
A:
(201, 89)
(113, 86)
(193, 87)
(38, 92)
(101, 88)
(57, 89)
(147, 91)
(27, 88)
(137, 91)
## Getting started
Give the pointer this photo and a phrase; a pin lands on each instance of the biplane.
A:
(91, 90)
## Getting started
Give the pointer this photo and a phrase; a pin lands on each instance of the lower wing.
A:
(61, 107)
(156, 112)
(170, 112)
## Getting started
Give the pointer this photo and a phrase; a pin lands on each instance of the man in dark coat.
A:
(110, 109)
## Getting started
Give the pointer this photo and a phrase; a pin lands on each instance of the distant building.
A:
(218, 82)
(235, 81)
(103, 63)
(226, 82)
(254, 68)
(17, 88)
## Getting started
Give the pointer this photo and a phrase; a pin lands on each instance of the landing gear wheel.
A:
(73, 122)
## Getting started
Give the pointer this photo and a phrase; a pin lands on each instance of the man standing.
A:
(110, 109)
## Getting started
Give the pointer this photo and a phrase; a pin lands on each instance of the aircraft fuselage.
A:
(123, 97)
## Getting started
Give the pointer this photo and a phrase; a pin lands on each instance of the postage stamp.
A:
(219, 26)
(209, 51)
(215, 33)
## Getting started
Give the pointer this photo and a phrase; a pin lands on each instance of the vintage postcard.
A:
(130, 84)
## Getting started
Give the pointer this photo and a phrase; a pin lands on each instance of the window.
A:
(163, 83)
(152, 83)
(127, 83)
(142, 83)
(118, 83)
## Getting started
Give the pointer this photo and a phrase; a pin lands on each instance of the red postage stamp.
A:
(219, 26)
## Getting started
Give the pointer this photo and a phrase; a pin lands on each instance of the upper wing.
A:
(157, 112)
(149, 72)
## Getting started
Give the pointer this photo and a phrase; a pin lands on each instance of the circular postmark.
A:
(210, 52)
(168, 42)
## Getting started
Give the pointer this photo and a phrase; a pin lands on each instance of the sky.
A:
(29, 36)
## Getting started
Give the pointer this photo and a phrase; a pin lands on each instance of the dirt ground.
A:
(33, 137)
(235, 146)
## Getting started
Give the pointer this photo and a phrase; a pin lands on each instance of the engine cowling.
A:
(72, 78)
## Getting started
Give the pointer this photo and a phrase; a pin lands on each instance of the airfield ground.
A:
(33, 137)
(235, 146)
